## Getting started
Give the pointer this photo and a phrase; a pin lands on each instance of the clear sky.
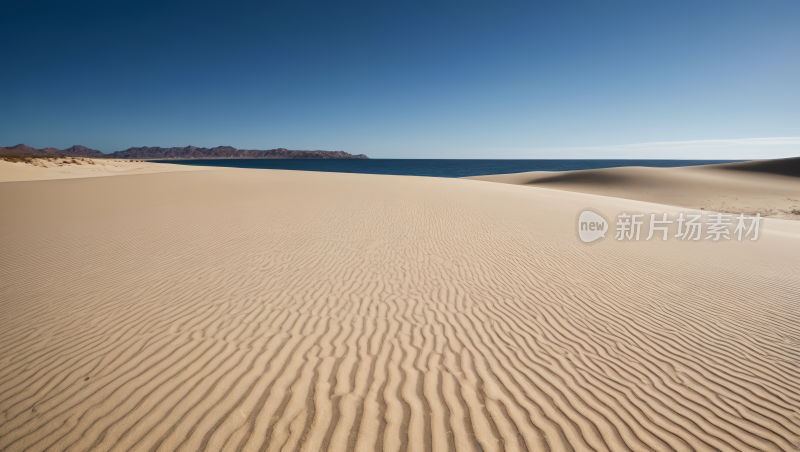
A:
(407, 79)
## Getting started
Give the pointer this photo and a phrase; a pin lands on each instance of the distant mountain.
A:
(187, 152)
(27, 150)
(192, 152)
(83, 151)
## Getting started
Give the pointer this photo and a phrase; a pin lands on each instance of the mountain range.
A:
(187, 152)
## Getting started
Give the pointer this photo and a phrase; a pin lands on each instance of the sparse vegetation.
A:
(41, 160)
(27, 158)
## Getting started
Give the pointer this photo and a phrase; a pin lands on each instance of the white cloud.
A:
(732, 149)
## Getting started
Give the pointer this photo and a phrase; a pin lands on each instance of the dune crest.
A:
(769, 187)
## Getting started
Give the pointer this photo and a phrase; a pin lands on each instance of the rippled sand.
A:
(273, 310)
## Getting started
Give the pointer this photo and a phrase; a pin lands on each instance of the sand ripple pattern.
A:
(226, 310)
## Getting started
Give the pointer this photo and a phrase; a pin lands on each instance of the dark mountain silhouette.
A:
(25, 149)
(187, 152)
(192, 152)
(74, 151)
(83, 151)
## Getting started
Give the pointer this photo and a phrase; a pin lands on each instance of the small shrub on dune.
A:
(17, 158)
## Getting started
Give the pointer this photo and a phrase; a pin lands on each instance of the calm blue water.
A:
(435, 168)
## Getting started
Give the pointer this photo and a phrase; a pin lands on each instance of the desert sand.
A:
(769, 187)
(57, 168)
(235, 309)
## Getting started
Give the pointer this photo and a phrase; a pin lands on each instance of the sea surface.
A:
(432, 167)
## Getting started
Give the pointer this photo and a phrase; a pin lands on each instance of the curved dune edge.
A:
(769, 187)
(273, 310)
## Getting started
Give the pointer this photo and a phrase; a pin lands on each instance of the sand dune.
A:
(770, 187)
(48, 170)
(257, 310)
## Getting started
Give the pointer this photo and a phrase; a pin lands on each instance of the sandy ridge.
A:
(768, 187)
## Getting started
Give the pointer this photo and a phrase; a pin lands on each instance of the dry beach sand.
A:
(236, 309)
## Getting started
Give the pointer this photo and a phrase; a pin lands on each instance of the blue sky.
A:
(433, 79)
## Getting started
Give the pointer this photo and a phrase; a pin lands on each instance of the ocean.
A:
(435, 167)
